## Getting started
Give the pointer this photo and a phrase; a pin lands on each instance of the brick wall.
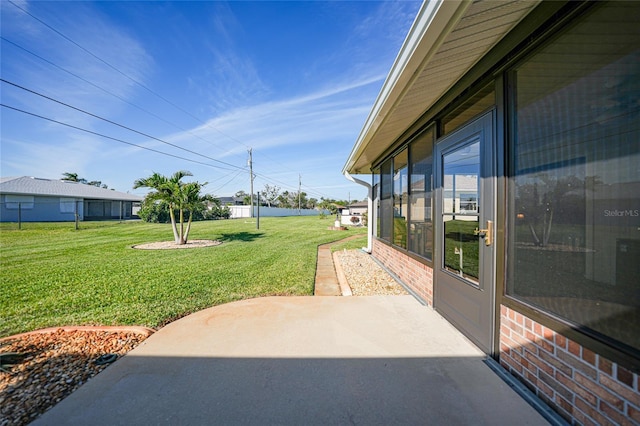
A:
(413, 273)
(584, 387)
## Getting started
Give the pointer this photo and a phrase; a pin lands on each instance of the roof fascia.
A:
(435, 19)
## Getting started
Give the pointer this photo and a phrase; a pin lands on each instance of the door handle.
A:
(487, 234)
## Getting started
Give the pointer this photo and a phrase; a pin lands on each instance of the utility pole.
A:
(250, 163)
(299, 193)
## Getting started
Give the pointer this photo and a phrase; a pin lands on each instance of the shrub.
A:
(158, 212)
(154, 212)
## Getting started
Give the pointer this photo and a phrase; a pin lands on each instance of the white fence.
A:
(238, 212)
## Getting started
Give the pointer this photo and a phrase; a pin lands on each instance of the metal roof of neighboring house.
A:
(232, 200)
(26, 185)
(359, 204)
(447, 39)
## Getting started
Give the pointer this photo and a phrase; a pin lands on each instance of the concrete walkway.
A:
(328, 282)
(380, 360)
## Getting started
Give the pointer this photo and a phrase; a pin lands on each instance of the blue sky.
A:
(203, 81)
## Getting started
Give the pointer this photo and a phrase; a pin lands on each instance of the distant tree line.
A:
(73, 177)
(272, 196)
(171, 199)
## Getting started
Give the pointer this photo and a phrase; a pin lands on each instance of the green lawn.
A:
(355, 244)
(459, 234)
(53, 275)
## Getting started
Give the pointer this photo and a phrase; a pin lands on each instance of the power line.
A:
(269, 179)
(287, 185)
(292, 187)
(114, 123)
(126, 75)
(312, 190)
(139, 84)
(109, 137)
(228, 182)
(123, 73)
(107, 91)
(96, 56)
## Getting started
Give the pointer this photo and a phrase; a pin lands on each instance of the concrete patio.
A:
(376, 360)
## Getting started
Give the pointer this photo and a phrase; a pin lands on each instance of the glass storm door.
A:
(465, 259)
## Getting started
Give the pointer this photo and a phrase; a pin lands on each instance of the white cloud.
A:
(227, 77)
(310, 118)
(304, 126)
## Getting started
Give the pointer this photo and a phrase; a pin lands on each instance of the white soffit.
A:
(446, 40)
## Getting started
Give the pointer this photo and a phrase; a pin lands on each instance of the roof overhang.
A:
(447, 38)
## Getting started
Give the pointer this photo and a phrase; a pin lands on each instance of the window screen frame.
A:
(612, 349)
(389, 161)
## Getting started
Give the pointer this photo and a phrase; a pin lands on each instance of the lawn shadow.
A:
(241, 236)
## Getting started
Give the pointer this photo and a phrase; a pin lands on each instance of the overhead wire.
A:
(114, 123)
(294, 188)
(312, 190)
(124, 74)
(227, 182)
(141, 85)
(108, 137)
(108, 92)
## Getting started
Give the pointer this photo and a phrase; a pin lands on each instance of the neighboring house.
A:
(231, 201)
(354, 210)
(357, 209)
(505, 193)
(29, 199)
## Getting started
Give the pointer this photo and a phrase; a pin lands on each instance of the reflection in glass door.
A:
(464, 280)
(460, 211)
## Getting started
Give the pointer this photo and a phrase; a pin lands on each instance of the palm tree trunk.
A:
(536, 240)
(182, 239)
(173, 225)
(186, 235)
(547, 232)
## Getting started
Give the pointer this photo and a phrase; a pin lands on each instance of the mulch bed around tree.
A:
(169, 245)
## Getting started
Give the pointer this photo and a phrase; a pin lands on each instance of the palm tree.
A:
(73, 177)
(177, 195)
(191, 201)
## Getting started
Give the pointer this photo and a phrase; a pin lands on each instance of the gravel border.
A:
(145, 331)
(364, 276)
(49, 366)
